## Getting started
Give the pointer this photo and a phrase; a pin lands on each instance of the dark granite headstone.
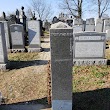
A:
(61, 36)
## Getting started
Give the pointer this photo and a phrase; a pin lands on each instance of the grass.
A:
(91, 87)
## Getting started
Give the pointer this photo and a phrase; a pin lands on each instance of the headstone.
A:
(55, 20)
(90, 24)
(78, 25)
(34, 36)
(3, 50)
(7, 35)
(106, 25)
(47, 25)
(61, 36)
(89, 48)
(108, 34)
(99, 25)
(17, 38)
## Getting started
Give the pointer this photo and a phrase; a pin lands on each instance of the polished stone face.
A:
(61, 67)
(34, 34)
(17, 36)
(89, 48)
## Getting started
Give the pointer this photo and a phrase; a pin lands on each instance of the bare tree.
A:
(74, 7)
(42, 9)
(102, 6)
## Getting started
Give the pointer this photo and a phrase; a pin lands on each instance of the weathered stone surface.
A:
(61, 66)
(3, 49)
(108, 34)
(99, 25)
(34, 36)
(106, 25)
(89, 47)
(60, 25)
(7, 35)
(17, 37)
(90, 24)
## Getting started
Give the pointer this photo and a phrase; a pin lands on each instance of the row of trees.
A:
(75, 8)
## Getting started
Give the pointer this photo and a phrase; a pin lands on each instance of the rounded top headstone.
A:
(60, 25)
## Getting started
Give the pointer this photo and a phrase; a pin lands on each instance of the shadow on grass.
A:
(92, 100)
(22, 64)
(108, 62)
(38, 104)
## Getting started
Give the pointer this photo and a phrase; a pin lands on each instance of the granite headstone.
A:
(34, 36)
(3, 49)
(17, 38)
(90, 24)
(61, 66)
(99, 25)
(89, 48)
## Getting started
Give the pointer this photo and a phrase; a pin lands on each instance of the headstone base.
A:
(79, 62)
(34, 49)
(62, 105)
(17, 50)
(3, 67)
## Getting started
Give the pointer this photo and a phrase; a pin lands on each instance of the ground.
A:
(25, 83)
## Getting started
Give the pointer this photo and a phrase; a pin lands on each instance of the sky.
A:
(9, 6)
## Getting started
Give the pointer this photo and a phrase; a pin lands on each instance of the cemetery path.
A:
(27, 83)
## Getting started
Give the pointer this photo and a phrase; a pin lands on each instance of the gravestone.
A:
(90, 24)
(17, 38)
(3, 49)
(34, 36)
(89, 48)
(99, 25)
(108, 34)
(7, 35)
(78, 25)
(61, 37)
(106, 25)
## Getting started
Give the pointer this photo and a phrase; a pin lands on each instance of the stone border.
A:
(86, 62)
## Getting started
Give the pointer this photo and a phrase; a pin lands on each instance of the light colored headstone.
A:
(99, 25)
(34, 36)
(78, 25)
(17, 37)
(3, 49)
(90, 24)
(106, 25)
(61, 38)
(108, 34)
(89, 48)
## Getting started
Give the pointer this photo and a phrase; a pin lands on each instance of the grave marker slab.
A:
(106, 25)
(34, 36)
(61, 37)
(3, 49)
(99, 25)
(89, 48)
(7, 35)
(78, 25)
(90, 24)
(17, 37)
